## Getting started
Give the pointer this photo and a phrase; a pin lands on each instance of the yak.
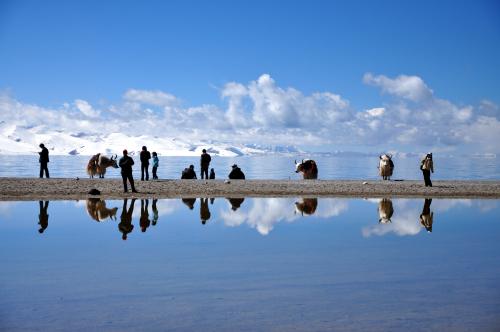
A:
(385, 166)
(98, 163)
(308, 168)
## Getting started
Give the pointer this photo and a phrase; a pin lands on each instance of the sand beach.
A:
(69, 189)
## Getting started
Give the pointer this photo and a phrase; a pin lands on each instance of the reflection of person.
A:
(125, 226)
(44, 160)
(144, 222)
(204, 211)
(145, 156)
(427, 166)
(385, 211)
(426, 217)
(126, 164)
(189, 202)
(204, 163)
(43, 217)
(307, 206)
(155, 211)
(235, 203)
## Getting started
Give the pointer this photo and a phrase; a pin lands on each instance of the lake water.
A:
(254, 264)
(269, 167)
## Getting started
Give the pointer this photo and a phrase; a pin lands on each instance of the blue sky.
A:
(56, 52)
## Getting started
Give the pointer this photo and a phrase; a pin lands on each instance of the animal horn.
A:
(302, 160)
(295, 161)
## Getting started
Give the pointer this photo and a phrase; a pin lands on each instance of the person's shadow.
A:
(43, 216)
(125, 226)
(204, 210)
(144, 222)
(427, 217)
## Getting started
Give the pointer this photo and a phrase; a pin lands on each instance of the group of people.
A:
(126, 163)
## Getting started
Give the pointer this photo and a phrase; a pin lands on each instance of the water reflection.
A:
(43, 216)
(235, 203)
(426, 217)
(144, 221)
(401, 217)
(385, 211)
(189, 202)
(307, 206)
(204, 210)
(154, 208)
(97, 210)
(125, 226)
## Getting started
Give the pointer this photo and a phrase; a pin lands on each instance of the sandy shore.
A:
(61, 189)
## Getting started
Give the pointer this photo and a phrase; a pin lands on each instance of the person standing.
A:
(205, 163)
(156, 161)
(44, 160)
(427, 166)
(126, 165)
(145, 156)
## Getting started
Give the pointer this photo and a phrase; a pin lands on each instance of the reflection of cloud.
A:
(442, 205)
(404, 224)
(7, 207)
(264, 213)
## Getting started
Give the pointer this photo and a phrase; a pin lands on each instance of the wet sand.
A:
(69, 189)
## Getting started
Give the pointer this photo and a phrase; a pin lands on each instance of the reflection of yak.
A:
(385, 211)
(98, 163)
(97, 210)
(306, 206)
(385, 166)
(235, 203)
(308, 168)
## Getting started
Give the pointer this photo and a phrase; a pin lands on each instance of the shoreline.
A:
(23, 189)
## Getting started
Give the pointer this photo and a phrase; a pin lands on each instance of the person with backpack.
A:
(188, 173)
(427, 166)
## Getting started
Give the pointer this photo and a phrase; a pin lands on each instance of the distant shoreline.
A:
(14, 189)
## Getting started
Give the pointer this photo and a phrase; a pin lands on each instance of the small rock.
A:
(365, 182)
(227, 181)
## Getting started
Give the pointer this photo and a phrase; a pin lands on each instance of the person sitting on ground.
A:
(212, 174)
(189, 173)
(236, 173)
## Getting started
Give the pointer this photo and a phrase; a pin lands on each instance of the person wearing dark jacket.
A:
(126, 165)
(145, 156)
(204, 163)
(125, 226)
(44, 160)
(189, 173)
(212, 174)
(236, 173)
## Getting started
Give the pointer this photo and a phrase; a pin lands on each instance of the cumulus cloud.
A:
(261, 111)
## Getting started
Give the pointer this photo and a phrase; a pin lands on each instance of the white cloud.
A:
(262, 112)
(407, 87)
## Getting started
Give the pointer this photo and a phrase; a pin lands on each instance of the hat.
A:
(234, 166)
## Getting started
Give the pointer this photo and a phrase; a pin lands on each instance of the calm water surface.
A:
(260, 264)
(269, 167)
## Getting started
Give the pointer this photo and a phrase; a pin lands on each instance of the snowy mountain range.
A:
(15, 139)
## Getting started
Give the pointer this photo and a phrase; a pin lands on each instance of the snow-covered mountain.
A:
(16, 139)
